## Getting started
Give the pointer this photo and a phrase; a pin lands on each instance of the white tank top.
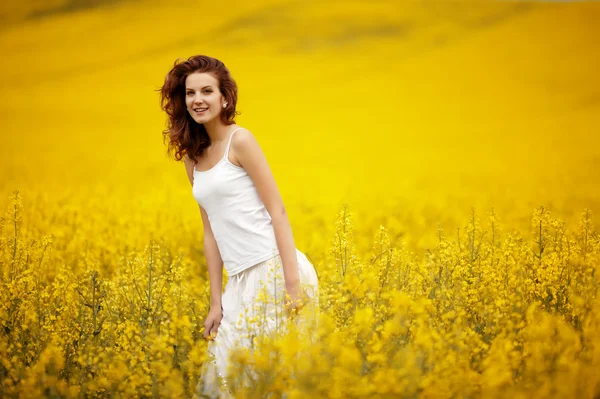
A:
(238, 218)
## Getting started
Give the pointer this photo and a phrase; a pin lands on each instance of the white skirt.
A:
(253, 303)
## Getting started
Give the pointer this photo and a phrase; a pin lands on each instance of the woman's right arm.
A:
(214, 264)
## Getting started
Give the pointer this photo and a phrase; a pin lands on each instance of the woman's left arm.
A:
(248, 153)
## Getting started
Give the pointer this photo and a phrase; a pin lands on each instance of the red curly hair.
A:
(185, 135)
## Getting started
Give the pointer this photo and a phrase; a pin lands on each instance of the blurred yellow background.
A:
(412, 112)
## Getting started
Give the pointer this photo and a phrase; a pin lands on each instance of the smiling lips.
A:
(200, 110)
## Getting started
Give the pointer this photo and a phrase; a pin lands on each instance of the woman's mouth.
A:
(200, 111)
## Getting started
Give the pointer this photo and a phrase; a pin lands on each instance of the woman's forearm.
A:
(215, 270)
(287, 249)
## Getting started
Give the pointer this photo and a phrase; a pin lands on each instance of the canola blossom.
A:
(437, 160)
(491, 314)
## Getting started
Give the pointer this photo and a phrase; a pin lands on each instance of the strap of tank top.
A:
(229, 142)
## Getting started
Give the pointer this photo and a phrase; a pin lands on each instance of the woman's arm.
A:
(286, 246)
(214, 264)
(248, 153)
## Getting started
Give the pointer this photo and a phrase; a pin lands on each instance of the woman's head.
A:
(200, 82)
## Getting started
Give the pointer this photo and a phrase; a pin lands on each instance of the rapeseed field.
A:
(438, 162)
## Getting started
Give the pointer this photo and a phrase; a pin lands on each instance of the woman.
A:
(246, 227)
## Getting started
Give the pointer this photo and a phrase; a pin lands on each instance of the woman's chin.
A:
(202, 120)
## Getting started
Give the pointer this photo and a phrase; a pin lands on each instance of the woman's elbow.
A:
(278, 214)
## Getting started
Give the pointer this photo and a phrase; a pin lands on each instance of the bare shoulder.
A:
(241, 142)
(188, 161)
(244, 140)
(241, 137)
(189, 168)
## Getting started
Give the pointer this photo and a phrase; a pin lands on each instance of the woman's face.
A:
(203, 99)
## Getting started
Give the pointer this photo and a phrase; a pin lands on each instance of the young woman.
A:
(246, 227)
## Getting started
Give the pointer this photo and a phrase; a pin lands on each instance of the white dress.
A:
(245, 236)
(241, 303)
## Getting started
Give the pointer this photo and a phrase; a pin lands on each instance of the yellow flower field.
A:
(438, 162)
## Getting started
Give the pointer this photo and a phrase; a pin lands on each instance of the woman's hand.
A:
(296, 297)
(212, 323)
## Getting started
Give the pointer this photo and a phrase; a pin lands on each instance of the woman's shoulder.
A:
(245, 146)
(188, 162)
(189, 168)
(241, 135)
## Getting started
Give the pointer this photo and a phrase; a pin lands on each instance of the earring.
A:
(225, 105)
